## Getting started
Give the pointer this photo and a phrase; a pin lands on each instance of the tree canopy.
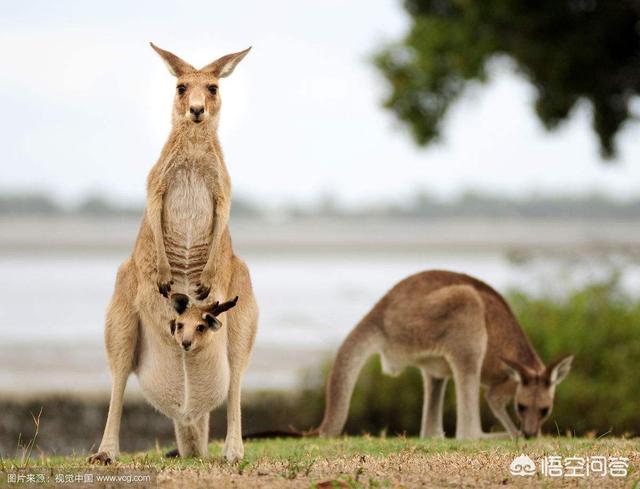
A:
(569, 50)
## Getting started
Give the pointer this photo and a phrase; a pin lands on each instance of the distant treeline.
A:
(95, 205)
(421, 205)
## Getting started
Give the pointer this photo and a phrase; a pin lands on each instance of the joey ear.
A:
(213, 322)
(217, 308)
(558, 370)
(172, 325)
(177, 67)
(179, 302)
(224, 66)
(517, 371)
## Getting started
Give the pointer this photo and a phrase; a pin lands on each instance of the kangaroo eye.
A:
(213, 89)
(182, 89)
(521, 408)
(179, 326)
(544, 411)
(200, 328)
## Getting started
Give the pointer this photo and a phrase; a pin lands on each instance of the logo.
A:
(523, 466)
(557, 466)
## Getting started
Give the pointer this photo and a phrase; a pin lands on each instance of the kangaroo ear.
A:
(517, 371)
(213, 322)
(179, 302)
(217, 308)
(558, 370)
(177, 67)
(172, 325)
(224, 66)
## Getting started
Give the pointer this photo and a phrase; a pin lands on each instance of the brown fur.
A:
(183, 245)
(448, 325)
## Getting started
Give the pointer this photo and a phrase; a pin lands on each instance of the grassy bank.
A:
(353, 462)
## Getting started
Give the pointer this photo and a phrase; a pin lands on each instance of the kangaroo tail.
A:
(365, 339)
(290, 433)
(272, 434)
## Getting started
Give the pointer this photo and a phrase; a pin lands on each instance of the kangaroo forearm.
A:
(221, 220)
(154, 215)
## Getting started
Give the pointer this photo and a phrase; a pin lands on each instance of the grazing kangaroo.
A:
(183, 245)
(449, 325)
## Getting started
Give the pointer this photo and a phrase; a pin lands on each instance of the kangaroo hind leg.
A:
(459, 312)
(466, 374)
(121, 338)
(242, 323)
(434, 389)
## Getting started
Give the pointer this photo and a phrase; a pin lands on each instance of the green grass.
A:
(349, 461)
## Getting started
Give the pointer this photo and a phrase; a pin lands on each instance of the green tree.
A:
(569, 50)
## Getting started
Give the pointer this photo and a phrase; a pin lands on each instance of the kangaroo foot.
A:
(233, 450)
(101, 458)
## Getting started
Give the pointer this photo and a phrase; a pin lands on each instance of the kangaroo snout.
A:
(196, 112)
(186, 345)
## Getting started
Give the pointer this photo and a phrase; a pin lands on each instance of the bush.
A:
(598, 324)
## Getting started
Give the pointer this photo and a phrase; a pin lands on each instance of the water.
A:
(52, 304)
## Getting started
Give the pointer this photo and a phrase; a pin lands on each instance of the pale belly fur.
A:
(183, 386)
(187, 224)
(394, 361)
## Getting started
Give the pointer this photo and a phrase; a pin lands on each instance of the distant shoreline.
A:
(73, 234)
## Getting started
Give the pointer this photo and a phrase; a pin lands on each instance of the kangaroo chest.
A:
(187, 219)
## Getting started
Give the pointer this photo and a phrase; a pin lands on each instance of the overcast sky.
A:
(86, 106)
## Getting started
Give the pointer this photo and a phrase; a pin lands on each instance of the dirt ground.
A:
(483, 470)
(354, 462)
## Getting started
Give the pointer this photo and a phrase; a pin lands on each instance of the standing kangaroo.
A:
(183, 245)
(449, 324)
